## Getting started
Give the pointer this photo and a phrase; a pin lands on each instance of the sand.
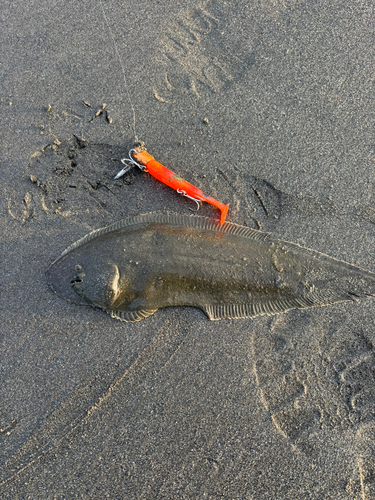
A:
(267, 106)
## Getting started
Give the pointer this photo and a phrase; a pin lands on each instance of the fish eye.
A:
(76, 281)
(78, 277)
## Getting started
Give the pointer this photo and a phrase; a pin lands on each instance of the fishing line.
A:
(122, 68)
(146, 162)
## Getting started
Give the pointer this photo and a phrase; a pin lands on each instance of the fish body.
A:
(136, 266)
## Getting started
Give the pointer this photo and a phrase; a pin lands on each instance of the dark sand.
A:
(176, 406)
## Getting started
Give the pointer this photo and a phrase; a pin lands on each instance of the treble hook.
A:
(197, 200)
(129, 162)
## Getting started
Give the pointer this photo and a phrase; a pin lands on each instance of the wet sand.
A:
(268, 107)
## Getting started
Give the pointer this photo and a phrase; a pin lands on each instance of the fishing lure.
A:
(138, 265)
(147, 163)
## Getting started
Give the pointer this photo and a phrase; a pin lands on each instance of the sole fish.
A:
(135, 266)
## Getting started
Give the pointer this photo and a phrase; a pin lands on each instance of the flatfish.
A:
(135, 266)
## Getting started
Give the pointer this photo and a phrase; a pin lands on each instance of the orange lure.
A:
(146, 162)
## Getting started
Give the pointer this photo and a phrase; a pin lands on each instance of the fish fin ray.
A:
(171, 218)
(131, 316)
(271, 307)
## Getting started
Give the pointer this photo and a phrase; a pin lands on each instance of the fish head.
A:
(84, 281)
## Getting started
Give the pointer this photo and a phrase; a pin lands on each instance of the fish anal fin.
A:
(270, 307)
(250, 310)
(131, 316)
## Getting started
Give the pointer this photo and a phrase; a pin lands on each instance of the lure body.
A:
(138, 265)
(163, 174)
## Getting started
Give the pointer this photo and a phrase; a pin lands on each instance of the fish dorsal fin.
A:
(271, 307)
(174, 219)
(131, 316)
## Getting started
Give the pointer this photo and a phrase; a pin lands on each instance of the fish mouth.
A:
(63, 281)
